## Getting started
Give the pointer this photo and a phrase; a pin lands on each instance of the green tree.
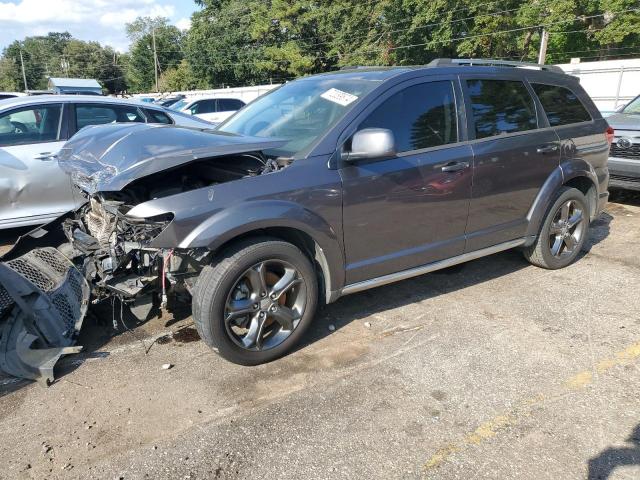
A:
(180, 78)
(168, 44)
(59, 55)
(8, 80)
(92, 60)
(41, 55)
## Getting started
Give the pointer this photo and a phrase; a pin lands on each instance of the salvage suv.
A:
(329, 185)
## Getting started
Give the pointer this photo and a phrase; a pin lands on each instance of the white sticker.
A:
(338, 96)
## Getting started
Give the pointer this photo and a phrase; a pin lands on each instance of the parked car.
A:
(624, 158)
(168, 101)
(212, 109)
(5, 95)
(329, 185)
(33, 189)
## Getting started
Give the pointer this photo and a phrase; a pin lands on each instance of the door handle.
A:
(455, 166)
(549, 148)
(45, 156)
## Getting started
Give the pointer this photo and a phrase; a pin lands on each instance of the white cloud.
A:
(184, 23)
(101, 20)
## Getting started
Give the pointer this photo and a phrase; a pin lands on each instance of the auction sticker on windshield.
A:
(338, 96)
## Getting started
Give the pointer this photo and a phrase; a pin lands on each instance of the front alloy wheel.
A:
(256, 301)
(265, 305)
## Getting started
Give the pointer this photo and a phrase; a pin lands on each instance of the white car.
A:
(211, 109)
(33, 188)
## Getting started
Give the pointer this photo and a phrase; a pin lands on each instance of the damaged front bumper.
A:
(52, 274)
(43, 301)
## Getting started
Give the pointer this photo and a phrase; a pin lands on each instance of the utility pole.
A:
(544, 40)
(24, 75)
(155, 57)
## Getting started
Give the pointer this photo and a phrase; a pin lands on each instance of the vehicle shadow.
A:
(9, 236)
(425, 287)
(106, 323)
(599, 230)
(602, 466)
(418, 289)
(628, 197)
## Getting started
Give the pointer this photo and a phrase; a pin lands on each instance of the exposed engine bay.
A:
(99, 252)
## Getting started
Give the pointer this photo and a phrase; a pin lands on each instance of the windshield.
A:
(633, 106)
(179, 105)
(300, 111)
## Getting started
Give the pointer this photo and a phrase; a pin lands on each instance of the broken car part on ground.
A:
(115, 246)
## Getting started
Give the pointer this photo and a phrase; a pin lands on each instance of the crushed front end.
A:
(103, 251)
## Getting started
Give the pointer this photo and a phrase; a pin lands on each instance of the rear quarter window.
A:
(561, 105)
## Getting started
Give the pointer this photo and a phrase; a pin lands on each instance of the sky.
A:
(99, 20)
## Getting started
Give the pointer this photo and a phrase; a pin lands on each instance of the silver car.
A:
(624, 157)
(33, 189)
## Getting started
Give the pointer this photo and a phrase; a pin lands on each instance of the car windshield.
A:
(633, 106)
(179, 105)
(300, 111)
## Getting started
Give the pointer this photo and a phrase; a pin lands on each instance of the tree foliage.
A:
(168, 45)
(244, 42)
(59, 55)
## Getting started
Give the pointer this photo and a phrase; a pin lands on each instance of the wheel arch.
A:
(574, 173)
(281, 219)
(305, 242)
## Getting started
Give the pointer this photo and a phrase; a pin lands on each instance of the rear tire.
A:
(255, 304)
(563, 232)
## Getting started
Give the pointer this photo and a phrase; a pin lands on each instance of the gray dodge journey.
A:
(326, 186)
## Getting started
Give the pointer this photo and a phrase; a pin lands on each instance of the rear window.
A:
(500, 107)
(99, 114)
(155, 116)
(229, 104)
(561, 105)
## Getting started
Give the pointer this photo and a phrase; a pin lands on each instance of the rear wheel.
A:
(255, 304)
(563, 232)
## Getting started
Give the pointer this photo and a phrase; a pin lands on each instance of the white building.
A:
(610, 83)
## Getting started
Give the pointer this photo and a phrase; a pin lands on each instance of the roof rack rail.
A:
(356, 67)
(440, 62)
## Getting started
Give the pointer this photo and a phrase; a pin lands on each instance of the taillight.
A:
(609, 132)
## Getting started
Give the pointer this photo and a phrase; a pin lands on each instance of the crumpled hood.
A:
(109, 157)
(624, 121)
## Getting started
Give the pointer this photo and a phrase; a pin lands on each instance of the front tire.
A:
(563, 232)
(256, 302)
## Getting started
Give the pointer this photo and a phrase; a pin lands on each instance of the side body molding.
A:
(247, 217)
(566, 171)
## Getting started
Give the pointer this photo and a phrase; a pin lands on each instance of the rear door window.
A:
(99, 114)
(561, 105)
(500, 107)
(203, 106)
(34, 124)
(420, 116)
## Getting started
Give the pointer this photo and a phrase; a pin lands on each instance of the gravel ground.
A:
(495, 369)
